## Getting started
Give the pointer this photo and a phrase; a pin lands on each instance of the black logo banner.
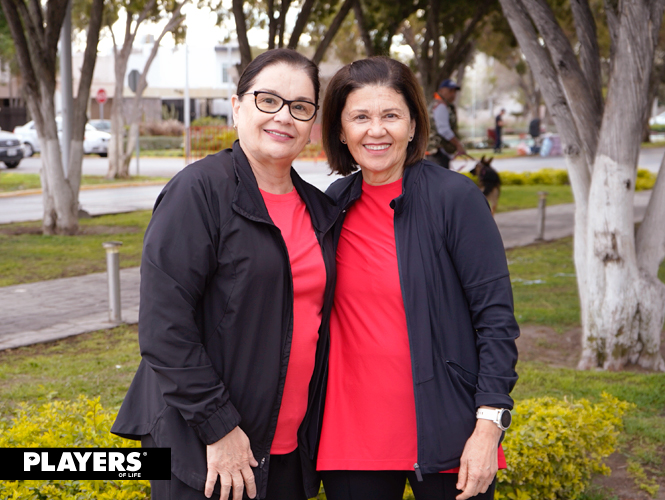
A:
(85, 463)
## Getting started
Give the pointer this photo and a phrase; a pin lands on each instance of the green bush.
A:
(559, 177)
(645, 179)
(208, 140)
(209, 121)
(157, 142)
(60, 424)
(554, 446)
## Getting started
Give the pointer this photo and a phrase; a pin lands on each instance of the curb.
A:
(87, 187)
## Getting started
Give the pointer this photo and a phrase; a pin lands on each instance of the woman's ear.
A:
(235, 104)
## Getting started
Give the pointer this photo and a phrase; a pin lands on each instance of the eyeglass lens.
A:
(270, 103)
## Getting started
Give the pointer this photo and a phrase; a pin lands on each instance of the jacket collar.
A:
(248, 201)
(354, 186)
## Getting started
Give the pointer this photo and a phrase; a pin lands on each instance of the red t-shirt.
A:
(290, 215)
(369, 420)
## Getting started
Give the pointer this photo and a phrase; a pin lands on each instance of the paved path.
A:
(49, 310)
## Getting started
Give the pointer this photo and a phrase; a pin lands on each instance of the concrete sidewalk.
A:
(50, 310)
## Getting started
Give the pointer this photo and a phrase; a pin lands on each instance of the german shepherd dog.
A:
(488, 181)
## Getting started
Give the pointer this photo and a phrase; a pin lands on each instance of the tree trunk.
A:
(120, 156)
(622, 301)
(35, 30)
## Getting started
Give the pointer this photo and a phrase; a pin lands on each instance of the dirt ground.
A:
(544, 344)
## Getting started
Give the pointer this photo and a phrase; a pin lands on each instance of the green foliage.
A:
(59, 424)
(645, 180)
(207, 140)
(209, 121)
(160, 142)
(559, 177)
(555, 446)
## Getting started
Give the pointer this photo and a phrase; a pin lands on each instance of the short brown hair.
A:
(277, 56)
(381, 71)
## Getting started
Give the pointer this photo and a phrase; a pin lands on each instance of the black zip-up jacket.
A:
(458, 302)
(216, 319)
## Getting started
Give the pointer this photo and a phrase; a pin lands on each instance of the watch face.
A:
(506, 419)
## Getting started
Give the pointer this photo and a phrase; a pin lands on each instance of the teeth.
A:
(277, 133)
(377, 148)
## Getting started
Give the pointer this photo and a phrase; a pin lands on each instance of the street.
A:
(650, 159)
(98, 200)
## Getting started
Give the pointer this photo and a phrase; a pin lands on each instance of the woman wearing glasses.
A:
(236, 290)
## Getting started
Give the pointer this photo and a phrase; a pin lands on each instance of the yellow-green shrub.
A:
(559, 177)
(645, 179)
(554, 446)
(82, 423)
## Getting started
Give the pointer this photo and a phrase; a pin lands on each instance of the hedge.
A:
(552, 449)
(83, 423)
(559, 177)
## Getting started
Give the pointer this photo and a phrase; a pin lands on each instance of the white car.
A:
(11, 152)
(658, 119)
(94, 142)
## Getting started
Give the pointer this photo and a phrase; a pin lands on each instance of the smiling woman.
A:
(422, 332)
(237, 264)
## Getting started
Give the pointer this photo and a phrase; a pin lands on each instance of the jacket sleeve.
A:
(179, 256)
(475, 246)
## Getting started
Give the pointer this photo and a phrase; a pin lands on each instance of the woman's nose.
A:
(284, 115)
(376, 128)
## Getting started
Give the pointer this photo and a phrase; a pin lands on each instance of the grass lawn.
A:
(29, 256)
(15, 181)
(103, 363)
(526, 196)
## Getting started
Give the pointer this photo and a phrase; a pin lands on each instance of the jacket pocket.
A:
(468, 378)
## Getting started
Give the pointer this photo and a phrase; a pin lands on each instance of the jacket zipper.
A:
(416, 467)
(419, 474)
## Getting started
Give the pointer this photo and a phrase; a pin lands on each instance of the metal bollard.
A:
(542, 202)
(113, 272)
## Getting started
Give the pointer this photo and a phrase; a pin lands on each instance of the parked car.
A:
(658, 119)
(103, 125)
(94, 142)
(11, 152)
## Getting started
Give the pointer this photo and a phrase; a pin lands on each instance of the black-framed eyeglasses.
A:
(268, 102)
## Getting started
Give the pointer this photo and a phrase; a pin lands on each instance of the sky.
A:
(201, 31)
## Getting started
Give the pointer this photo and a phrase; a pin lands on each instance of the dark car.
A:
(11, 151)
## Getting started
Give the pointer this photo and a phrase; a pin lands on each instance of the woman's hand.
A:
(479, 462)
(230, 458)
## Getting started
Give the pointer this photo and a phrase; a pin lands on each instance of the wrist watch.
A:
(500, 416)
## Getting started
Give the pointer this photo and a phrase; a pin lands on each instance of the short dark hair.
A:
(381, 71)
(277, 56)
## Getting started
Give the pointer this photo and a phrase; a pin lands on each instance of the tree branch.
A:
(88, 68)
(332, 31)
(301, 22)
(585, 112)
(241, 30)
(362, 27)
(585, 27)
(30, 84)
(282, 21)
(650, 237)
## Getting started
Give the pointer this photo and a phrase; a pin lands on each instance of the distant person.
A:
(236, 290)
(444, 143)
(498, 128)
(534, 132)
